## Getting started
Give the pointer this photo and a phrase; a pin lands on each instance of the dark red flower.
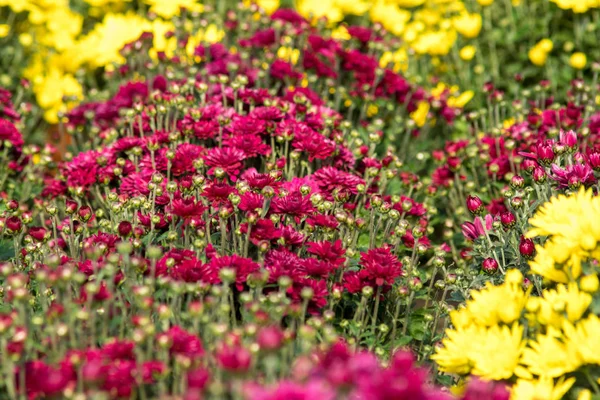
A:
(184, 343)
(331, 252)
(234, 359)
(242, 267)
(381, 265)
(294, 204)
(227, 158)
(187, 208)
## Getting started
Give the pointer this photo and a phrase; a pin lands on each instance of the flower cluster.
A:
(345, 199)
(546, 338)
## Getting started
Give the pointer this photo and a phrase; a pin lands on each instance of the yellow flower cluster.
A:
(54, 37)
(577, 6)
(51, 26)
(505, 332)
(573, 232)
(427, 26)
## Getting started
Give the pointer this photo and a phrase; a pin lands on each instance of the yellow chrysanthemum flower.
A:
(455, 355)
(577, 6)
(270, 6)
(409, 3)
(583, 339)
(474, 349)
(467, 53)
(101, 46)
(567, 300)
(572, 239)
(491, 364)
(547, 355)
(578, 60)
(51, 88)
(462, 100)
(170, 8)
(498, 304)
(393, 18)
(4, 30)
(421, 113)
(544, 388)
(468, 25)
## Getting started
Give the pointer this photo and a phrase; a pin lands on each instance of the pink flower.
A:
(184, 343)
(235, 359)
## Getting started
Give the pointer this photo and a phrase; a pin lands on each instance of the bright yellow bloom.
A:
(397, 61)
(16, 5)
(488, 361)
(409, 3)
(319, 9)
(577, 6)
(468, 25)
(546, 45)
(583, 339)
(455, 355)
(102, 45)
(171, 8)
(353, 7)
(461, 318)
(340, 33)
(578, 60)
(270, 6)
(573, 239)
(467, 53)
(585, 394)
(4, 30)
(392, 18)
(421, 113)
(537, 56)
(63, 26)
(474, 350)
(333, 10)
(485, 2)
(102, 3)
(436, 43)
(555, 303)
(589, 283)
(544, 388)
(547, 355)
(462, 100)
(544, 264)
(25, 39)
(498, 304)
(288, 54)
(50, 90)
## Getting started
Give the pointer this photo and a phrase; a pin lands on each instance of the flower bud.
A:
(490, 265)
(124, 228)
(517, 182)
(85, 213)
(526, 248)
(589, 283)
(14, 224)
(475, 205)
(508, 219)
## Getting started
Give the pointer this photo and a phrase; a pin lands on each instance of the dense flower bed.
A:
(257, 202)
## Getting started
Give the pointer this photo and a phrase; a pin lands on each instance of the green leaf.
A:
(402, 341)
(7, 250)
